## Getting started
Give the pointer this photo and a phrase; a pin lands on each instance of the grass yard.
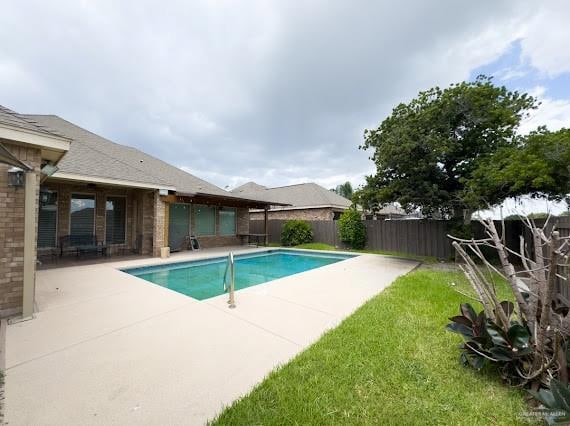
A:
(322, 246)
(391, 362)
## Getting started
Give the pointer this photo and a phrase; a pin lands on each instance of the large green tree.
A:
(538, 164)
(427, 149)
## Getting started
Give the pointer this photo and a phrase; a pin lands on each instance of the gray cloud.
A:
(277, 92)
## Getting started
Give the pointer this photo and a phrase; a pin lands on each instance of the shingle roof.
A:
(13, 119)
(93, 155)
(249, 187)
(301, 195)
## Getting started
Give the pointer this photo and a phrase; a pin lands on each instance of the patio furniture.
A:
(253, 239)
(190, 242)
(80, 245)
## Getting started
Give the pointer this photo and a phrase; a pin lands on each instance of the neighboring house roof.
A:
(94, 156)
(249, 187)
(304, 195)
(392, 209)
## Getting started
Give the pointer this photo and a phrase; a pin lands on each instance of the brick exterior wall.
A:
(159, 221)
(242, 227)
(12, 232)
(146, 217)
(147, 222)
(302, 214)
(139, 216)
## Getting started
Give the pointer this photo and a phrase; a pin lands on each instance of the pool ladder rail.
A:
(230, 267)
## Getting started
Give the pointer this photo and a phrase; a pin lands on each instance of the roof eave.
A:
(109, 181)
(321, 206)
(230, 198)
(43, 140)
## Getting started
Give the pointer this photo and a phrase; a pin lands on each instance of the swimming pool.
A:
(202, 279)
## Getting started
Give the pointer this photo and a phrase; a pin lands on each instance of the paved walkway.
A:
(109, 348)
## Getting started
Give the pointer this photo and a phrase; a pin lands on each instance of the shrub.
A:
(351, 229)
(296, 232)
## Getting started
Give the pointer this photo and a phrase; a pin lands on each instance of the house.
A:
(308, 201)
(58, 180)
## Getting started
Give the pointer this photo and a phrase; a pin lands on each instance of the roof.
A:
(94, 156)
(301, 195)
(391, 209)
(249, 187)
(13, 119)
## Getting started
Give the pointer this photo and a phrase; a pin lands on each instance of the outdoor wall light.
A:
(49, 169)
(15, 177)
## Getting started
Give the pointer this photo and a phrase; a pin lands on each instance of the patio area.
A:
(109, 348)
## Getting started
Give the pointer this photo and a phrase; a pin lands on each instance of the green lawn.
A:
(391, 362)
(322, 246)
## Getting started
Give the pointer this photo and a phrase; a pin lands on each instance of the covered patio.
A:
(89, 222)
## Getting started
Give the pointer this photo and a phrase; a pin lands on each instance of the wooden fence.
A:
(323, 231)
(417, 237)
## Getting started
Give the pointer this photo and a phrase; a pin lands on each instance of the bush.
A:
(351, 229)
(296, 232)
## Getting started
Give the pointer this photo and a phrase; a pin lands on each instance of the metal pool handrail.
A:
(231, 267)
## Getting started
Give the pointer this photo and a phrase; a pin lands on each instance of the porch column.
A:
(158, 225)
(266, 224)
(30, 204)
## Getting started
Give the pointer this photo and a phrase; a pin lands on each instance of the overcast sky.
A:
(275, 92)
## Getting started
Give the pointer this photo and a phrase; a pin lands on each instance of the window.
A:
(47, 219)
(115, 217)
(82, 217)
(227, 221)
(205, 220)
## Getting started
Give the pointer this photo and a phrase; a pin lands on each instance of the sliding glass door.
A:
(178, 225)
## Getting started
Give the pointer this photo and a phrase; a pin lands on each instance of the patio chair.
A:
(190, 242)
(79, 245)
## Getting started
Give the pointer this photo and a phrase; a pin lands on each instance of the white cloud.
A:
(276, 92)
(546, 35)
(552, 113)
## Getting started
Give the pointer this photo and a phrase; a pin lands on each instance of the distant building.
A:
(307, 201)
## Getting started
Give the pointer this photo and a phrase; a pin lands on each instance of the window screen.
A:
(205, 220)
(227, 221)
(82, 220)
(115, 215)
(47, 219)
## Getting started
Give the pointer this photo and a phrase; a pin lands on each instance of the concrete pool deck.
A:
(106, 347)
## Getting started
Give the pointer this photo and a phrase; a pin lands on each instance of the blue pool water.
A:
(204, 279)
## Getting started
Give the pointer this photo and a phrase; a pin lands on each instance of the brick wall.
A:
(302, 214)
(242, 227)
(159, 221)
(64, 194)
(12, 233)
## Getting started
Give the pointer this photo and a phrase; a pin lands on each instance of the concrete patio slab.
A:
(110, 348)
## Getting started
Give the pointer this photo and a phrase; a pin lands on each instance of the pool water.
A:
(204, 279)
